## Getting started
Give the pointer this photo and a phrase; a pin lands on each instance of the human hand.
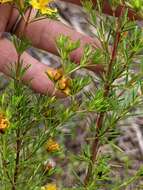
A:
(42, 34)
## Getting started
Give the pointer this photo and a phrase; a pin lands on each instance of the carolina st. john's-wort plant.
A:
(31, 124)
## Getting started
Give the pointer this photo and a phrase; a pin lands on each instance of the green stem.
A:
(19, 141)
(17, 159)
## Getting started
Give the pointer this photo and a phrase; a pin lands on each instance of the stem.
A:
(19, 141)
(100, 116)
(18, 67)
(4, 163)
(27, 21)
(17, 159)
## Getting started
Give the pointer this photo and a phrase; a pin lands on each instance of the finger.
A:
(36, 72)
(44, 33)
(5, 11)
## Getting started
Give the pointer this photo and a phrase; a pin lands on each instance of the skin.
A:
(39, 33)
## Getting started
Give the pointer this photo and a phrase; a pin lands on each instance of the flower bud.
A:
(67, 91)
(48, 165)
(64, 82)
(52, 146)
(54, 74)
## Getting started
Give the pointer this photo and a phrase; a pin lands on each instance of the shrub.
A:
(33, 126)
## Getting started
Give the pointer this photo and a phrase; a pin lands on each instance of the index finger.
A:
(5, 11)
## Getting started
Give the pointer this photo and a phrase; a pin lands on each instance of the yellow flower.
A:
(49, 186)
(42, 5)
(5, 1)
(4, 123)
(52, 146)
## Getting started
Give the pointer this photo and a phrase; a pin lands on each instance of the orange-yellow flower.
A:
(64, 82)
(4, 123)
(52, 146)
(67, 91)
(54, 74)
